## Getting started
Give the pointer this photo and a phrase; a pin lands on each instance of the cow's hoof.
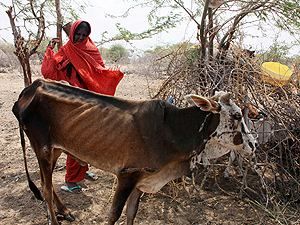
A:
(69, 217)
(53, 222)
(60, 217)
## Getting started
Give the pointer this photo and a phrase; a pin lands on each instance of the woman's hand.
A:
(53, 42)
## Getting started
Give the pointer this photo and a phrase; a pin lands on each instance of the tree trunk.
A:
(59, 19)
(21, 50)
(202, 30)
(211, 33)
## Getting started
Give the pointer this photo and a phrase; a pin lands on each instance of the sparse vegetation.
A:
(8, 59)
(217, 63)
(117, 53)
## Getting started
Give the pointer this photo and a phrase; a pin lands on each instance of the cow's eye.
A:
(237, 116)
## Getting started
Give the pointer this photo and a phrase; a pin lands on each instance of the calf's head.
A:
(231, 133)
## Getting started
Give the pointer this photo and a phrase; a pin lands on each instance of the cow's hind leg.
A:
(45, 157)
(61, 208)
(38, 134)
(126, 183)
(132, 205)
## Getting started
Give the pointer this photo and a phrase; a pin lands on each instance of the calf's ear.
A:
(201, 102)
(225, 98)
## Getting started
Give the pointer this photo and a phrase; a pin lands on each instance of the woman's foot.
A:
(91, 176)
(71, 187)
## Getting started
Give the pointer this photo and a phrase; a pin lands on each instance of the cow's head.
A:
(231, 133)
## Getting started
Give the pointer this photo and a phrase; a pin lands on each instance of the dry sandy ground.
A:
(172, 205)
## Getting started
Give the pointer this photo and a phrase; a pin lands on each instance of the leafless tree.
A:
(26, 47)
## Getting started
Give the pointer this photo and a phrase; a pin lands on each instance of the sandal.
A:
(91, 176)
(75, 189)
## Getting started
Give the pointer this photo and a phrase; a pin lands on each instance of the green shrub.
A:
(117, 53)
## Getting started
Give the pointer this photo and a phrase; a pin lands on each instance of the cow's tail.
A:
(31, 185)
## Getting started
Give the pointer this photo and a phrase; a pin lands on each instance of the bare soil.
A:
(172, 205)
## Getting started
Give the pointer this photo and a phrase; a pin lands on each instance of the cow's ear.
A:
(202, 102)
(215, 106)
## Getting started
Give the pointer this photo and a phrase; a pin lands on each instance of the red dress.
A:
(87, 71)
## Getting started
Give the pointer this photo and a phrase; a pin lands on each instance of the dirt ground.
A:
(172, 205)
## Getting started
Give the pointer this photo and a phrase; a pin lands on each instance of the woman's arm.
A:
(49, 69)
(49, 65)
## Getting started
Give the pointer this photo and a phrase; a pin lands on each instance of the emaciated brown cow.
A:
(145, 144)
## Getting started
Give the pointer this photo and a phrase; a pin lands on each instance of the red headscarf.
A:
(86, 59)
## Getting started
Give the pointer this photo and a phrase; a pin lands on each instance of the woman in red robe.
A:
(79, 62)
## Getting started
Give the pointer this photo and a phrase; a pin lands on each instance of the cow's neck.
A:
(208, 127)
(191, 127)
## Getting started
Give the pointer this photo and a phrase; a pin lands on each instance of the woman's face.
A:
(80, 34)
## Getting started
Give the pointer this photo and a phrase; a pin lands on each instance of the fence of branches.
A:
(278, 156)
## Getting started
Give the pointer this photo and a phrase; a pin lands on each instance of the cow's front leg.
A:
(48, 189)
(126, 183)
(132, 205)
(62, 210)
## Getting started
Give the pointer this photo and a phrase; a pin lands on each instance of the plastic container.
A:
(276, 73)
